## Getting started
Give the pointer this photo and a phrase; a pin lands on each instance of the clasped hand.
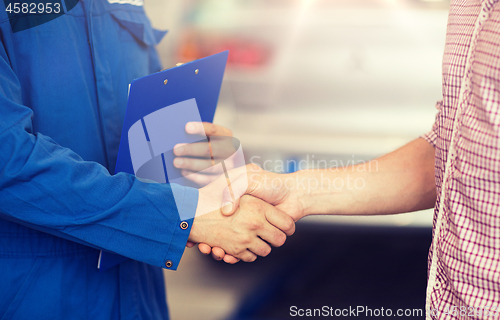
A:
(248, 233)
(247, 225)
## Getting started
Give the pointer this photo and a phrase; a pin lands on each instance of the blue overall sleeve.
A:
(50, 188)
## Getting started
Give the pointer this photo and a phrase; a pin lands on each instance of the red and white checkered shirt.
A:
(464, 259)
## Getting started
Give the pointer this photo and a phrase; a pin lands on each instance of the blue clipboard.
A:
(192, 86)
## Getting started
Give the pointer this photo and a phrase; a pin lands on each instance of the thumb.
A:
(232, 194)
(229, 205)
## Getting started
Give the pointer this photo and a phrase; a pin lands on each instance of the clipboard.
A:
(158, 108)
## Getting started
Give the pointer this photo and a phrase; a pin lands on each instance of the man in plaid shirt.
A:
(455, 168)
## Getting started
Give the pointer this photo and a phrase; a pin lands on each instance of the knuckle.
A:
(254, 224)
(260, 206)
(187, 163)
(254, 204)
(238, 249)
(245, 240)
(201, 165)
(245, 199)
(289, 225)
(210, 128)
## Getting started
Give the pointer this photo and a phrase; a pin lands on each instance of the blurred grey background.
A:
(341, 80)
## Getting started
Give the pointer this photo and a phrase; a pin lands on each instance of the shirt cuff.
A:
(186, 206)
(430, 137)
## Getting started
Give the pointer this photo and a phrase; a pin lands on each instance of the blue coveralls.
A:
(63, 92)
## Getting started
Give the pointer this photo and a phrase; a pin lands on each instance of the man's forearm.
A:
(401, 181)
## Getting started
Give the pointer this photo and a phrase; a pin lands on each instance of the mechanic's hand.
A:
(248, 233)
(197, 160)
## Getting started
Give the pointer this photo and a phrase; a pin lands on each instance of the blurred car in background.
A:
(325, 80)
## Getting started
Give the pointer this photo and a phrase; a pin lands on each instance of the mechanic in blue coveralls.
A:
(63, 92)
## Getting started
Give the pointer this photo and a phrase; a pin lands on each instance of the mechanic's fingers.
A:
(247, 256)
(217, 253)
(214, 170)
(204, 248)
(199, 178)
(230, 259)
(216, 257)
(190, 244)
(192, 164)
(219, 148)
(207, 128)
(260, 247)
(197, 149)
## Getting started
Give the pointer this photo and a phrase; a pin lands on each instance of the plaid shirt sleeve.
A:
(431, 136)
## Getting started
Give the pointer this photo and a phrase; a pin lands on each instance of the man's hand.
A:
(264, 185)
(280, 190)
(195, 157)
(248, 233)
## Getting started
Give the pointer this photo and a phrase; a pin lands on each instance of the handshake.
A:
(243, 210)
(242, 219)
